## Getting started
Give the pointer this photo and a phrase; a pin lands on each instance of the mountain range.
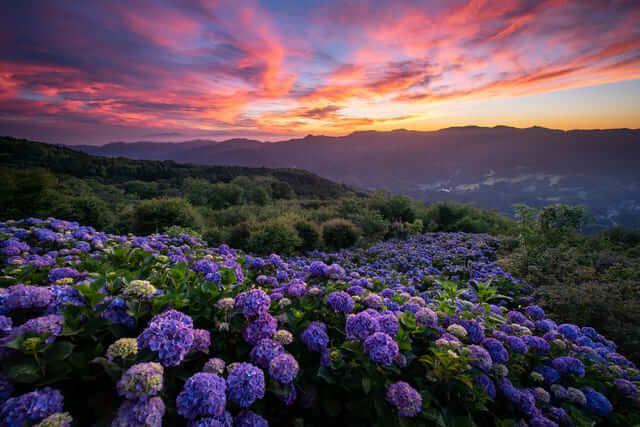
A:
(489, 167)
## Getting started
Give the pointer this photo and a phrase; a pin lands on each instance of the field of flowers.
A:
(99, 329)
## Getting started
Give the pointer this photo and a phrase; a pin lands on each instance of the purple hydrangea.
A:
(568, 365)
(203, 395)
(63, 273)
(481, 358)
(534, 312)
(570, 331)
(265, 351)
(249, 419)
(550, 375)
(26, 297)
(516, 344)
(315, 336)
(141, 381)
(245, 384)
(62, 296)
(262, 327)
(201, 340)
(140, 413)
(224, 420)
(340, 301)
(5, 325)
(214, 366)
(537, 344)
(114, 310)
(284, 368)
(627, 388)
(388, 323)
(31, 407)
(381, 348)
(6, 388)
(427, 317)
(361, 325)
(169, 334)
(498, 353)
(405, 398)
(50, 325)
(253, 303)
(487, 385)
(597, 403)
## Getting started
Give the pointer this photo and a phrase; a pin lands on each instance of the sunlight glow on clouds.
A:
(97, 71)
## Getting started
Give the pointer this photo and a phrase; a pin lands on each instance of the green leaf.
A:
(25, 372)
(59, 351)
(366, 385)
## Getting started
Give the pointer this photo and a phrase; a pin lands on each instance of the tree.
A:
(309, 235)
(274, 236)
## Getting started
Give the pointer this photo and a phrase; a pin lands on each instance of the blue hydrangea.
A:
(388, 323)
(570, 331)
(170, 335)
(568, 365)
(340, 301)
(498, 353)
(245, 384)
(62, 296)
(315, 336)
(361, 325)
(284, 368)
(516, 344)
(597, 403)
(50, 325)
(486, 384)
(537, 344)
(203, 395)
(31, 407)
(481, 358)
(550, 375)
(249, 419)
(6, 388)
(26, 297)
(140, 413)
(224, 420)
(534, 312)
(265, 351)
(627, 388)
(114, 310)
(63, 273)
(427, 317)
(141, 381)
(5, 325)
(405, 398)
(381, 348)
(253, 303)
(264, 326)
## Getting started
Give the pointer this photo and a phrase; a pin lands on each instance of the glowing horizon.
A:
(93, 72)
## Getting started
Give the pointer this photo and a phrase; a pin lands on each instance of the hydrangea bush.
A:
(101, 329)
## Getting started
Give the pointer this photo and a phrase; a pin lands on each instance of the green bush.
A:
(274, 236)
(339, 233)
(155, 215)
(309, 235)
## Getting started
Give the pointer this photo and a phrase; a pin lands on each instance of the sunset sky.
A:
(98, 71)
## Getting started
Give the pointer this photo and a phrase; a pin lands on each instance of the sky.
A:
(91, 72)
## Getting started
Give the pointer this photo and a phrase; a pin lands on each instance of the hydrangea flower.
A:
(203, 396)
(140, 413)
(340, 301)
(262, 327)
(361, 325)
(534, 312)
(388, 323)
(114, 309)
(284, 368)
(123, 348)
(481, 358)
(201, 340)
(497, 351)
(214, 366)
(169, 334)
(265, 351)
(21, 296)
(31, 407)
(568, 365)
(61, 419)
(224, 420)
(50, 325)
(141, 381)
(516, 344)
(141, 289)
(405, 398)
(5, 325)
(245, 384)
(315, 336)
(62, 273)
(486, 384)
(597, 403)
(284, 337)
(6, 388)
(381, 348)
(250, 419)
(253, 303)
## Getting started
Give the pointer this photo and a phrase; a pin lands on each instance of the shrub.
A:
(339, 233)
(154, 215)
(274, 236)
(309, 235)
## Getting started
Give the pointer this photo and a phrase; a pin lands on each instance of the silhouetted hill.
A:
(491, 167)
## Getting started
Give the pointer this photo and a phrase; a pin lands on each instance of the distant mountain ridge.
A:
(491, 167)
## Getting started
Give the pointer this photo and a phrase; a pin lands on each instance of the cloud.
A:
(259, 67)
